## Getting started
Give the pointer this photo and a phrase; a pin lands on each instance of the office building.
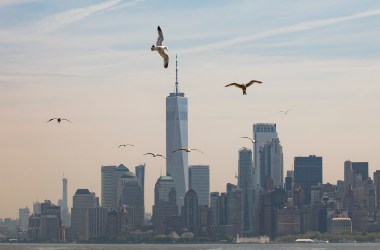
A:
(263, 133)
(65, 215)
(23, 219)
(214, 208)
(361, 168)
(177, 137)
(271, 165)
(376, 179)
(235, 208)
(82, 201)
(140, 174)
(130, 193)
(245, 184)
(308, 173)
(165, 204)
(199, 181)
(110, 176)
(191, 211)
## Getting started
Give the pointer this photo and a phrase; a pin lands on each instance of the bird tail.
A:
(152, 48)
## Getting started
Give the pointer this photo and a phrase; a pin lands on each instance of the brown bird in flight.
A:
(249, 138)
(188, 150)
(243, 86)
(59, 120)
(155, 155)
(125, 145)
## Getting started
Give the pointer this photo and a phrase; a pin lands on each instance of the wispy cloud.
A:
(303, 26)
(4, 3)
(64, 18)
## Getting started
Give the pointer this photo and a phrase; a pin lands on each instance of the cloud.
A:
(308, 25)
(64, 18)
(4, 3)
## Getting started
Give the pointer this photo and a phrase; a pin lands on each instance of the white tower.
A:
(177, 137)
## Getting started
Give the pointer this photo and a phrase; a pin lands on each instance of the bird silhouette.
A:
(125, 145)
(252, 140)
(188, 150)
(161, 49)
(285, 111)
(243, 86)
(59, 120)
(155, 155)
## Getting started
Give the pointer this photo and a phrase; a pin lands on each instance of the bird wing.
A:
(180, 149)
(165, 57)
(122, 145)
(196, 150)
(234, 84)
(149, 154)
(51, 119)
(161, 155)
(129, 144)
(64, 119)
(160, 37)
(252, 82)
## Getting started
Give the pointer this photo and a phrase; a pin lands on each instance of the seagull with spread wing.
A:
(59, 120)
(249, 138)
(285, 111)
(155, 155)
(188, 150)
(125, 145)
(161, 49)
(243, 86)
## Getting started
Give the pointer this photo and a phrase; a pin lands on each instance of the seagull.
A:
(252, 140)
(188, 150)
(160, 48)
(59, 119)
(155, 155)
(243, 86)
(285, 111)
(125, 145)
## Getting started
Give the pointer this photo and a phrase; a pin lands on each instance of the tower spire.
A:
(176, 75)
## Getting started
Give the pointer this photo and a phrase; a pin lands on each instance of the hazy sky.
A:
(90, 61)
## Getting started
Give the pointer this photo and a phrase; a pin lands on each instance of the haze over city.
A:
(90, 62)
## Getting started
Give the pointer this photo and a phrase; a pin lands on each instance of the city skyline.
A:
(91, 63)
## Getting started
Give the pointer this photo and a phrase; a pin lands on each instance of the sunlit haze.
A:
(90, 61)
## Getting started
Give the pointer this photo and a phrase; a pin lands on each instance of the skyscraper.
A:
(361, 168)
(65, 215)
(268, 163)
(82, 201)
(165, 204)
(308, 173)
(191, 211)
(130, 193)
(245, 183)
(376, 180)
(140, 174)
(177, 137)
(110, 180)
(23, 217)
(199, 180)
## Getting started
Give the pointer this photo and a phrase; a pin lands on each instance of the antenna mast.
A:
(176, 75)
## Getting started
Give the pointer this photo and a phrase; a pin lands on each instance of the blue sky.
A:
(91, 62)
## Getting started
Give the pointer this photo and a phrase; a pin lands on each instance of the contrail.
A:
(64, 18)
(308, 25)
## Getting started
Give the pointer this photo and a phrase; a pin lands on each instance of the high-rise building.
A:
(245, 184)
(65, 215)
(82, 201)
(308, 173)
(361, 168)
(263, 133)
(140, 174)
(50, 222)
(130, 193)
(110, 180)
(235, 209)
(376, 180)
(199, 181)
(36, 207)
(191, 211)
(177, 137)
(165, 205)
(23, 218)
(214, 208)
(271, 167)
